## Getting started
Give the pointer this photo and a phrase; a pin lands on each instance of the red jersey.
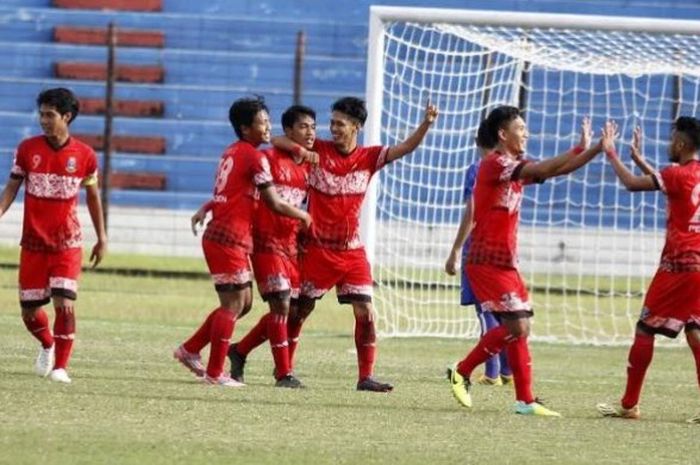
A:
(53, 179)
(241, 172)
(681, 184)
(337, 186)
(273, 232)
(498, 194)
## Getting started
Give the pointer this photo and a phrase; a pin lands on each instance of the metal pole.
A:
(299, 66)
(109, 116)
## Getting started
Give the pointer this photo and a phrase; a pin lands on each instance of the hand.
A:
(98, 253)
(586, 133)
(306, 222)
(431, 113)
(308, 156)
(198, 220)
(636, 145)
(451, 264)
(609, 134)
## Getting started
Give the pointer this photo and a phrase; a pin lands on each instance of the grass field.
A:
(130, 403)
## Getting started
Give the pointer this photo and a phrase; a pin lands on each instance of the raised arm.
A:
(566, 162)
(9, 193)
(465, 227)
(413, 141)
(636, 153)
(94, 205)
(645, 182)
(583, 152)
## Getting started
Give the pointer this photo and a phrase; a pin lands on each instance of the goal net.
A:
(587, 247)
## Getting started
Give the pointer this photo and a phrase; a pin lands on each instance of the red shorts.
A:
(277, 276)
(347, 270)
(46, 274)
(499, 290)
(672, 302)
(229, 266)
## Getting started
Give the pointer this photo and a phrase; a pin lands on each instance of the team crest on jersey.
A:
(71, 165)
(36, 160)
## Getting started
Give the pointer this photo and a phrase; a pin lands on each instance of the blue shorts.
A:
(466, 296)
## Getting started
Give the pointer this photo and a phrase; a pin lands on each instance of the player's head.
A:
(250, 120)
(483, 139)
(506, 129)
(299, 124)
(57, 109)
(348, 115)
(685, 138)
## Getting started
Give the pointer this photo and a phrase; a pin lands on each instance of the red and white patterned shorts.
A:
(347, 270)
(499, 290)
(46, 274)
(229, 266)
(276, 275)
(672, 302)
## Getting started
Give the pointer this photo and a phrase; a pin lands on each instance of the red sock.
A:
(201, 337)
(222, 325)
(294, 325)
(521, 364)
(256, 336)
(639, 359)
(277, 330)
(365, 343)
(695, 348)
(38, 325)
(490, 344)
(64, 333)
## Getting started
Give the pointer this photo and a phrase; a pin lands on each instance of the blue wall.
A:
(216, 52)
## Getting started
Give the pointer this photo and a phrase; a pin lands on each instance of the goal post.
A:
(587, 247)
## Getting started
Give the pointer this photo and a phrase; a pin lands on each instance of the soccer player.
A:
(54, 166)
(497, 371)
(334, 255)
(492, 260)
(672, 302)
(243, 175)
(275, 262)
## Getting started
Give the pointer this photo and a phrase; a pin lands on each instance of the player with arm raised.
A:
(492, 259)
(672, 302)
(243, 175)
(54, 167)
(334, 254)
(496, 370)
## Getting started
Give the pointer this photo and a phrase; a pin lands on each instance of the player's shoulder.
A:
(33, 143)
(80, 146)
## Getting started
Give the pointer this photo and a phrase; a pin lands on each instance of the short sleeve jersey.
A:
(53, 178)
(241, 172)
(337, 187)
(681, 184)
(272, 232)
(497, 198)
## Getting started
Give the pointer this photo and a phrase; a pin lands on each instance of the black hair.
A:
(483, 139)
(62, 99)
(243, 111)
(690, 128)
(498, 119)
(353, 107)
(293, 113)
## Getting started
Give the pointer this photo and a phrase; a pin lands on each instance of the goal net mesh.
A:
(587, 247)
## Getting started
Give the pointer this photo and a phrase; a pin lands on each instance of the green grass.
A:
(130, 403)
